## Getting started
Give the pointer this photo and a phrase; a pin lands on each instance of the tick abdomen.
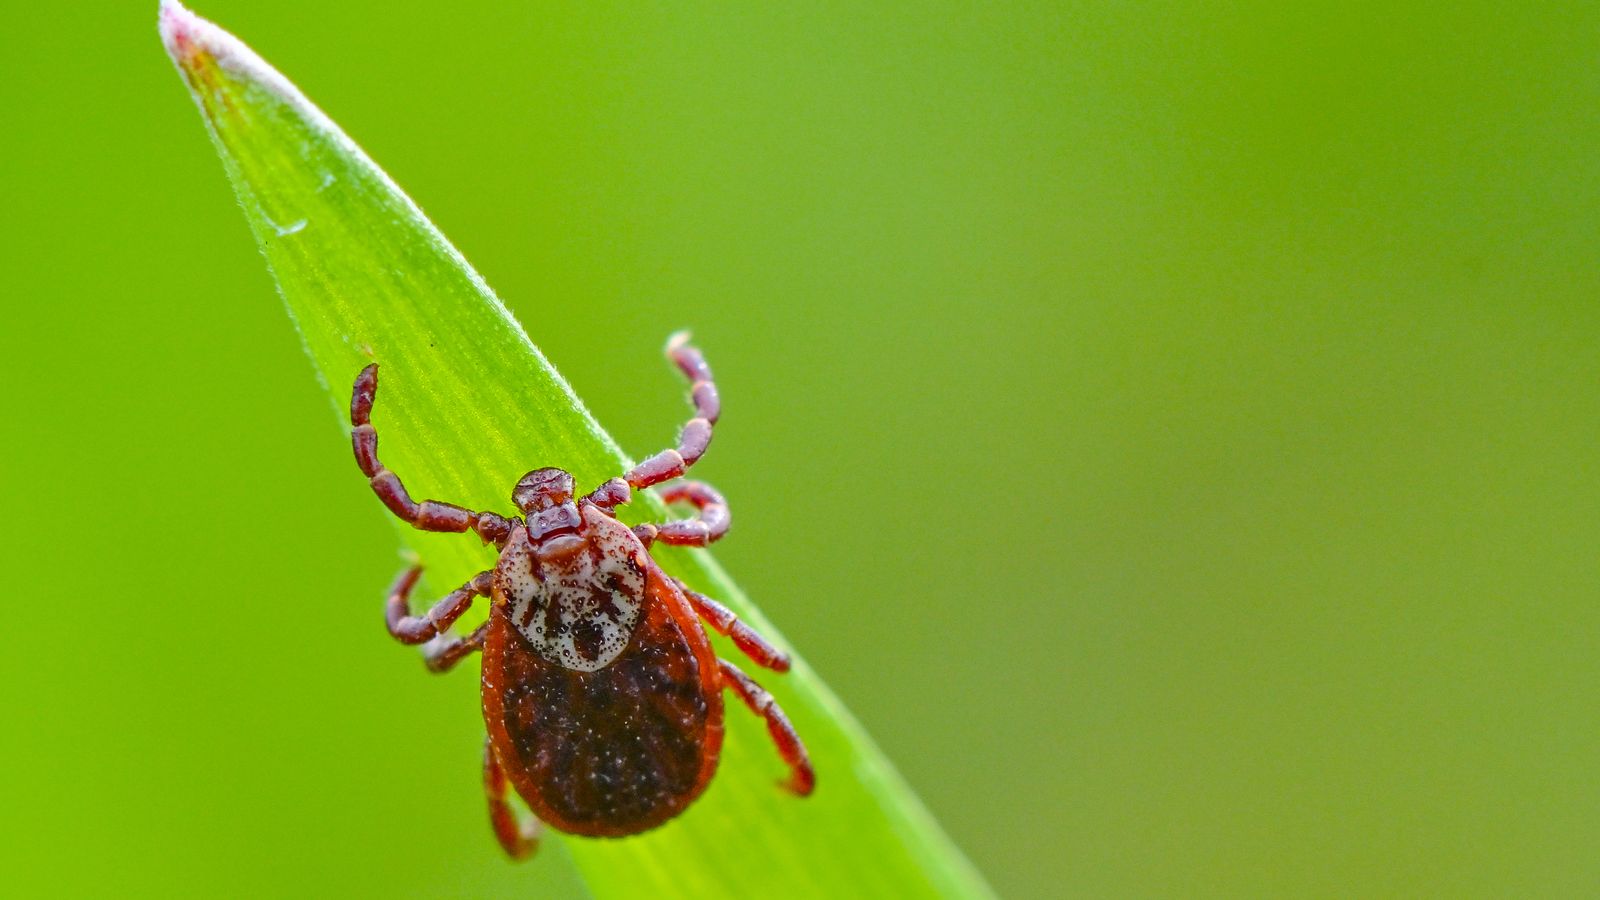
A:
(606, 752)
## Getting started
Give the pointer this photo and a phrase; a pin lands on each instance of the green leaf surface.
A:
(467, 405)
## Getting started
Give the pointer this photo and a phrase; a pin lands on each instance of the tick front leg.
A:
(409, 629)
(428, 515)
(696, 435)
(519, 838)
(801, 777)
(724, 622)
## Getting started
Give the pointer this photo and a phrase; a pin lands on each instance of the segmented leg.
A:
(443, 652)
(801, 778)
(409, 629)
(709, 525)
(428, 515)
(724, 622)
(610, 495)
(696, 435)
(519, 838)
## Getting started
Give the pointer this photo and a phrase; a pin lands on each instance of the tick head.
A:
(542, 489)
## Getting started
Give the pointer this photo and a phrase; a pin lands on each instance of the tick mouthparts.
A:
(558, 547)
(553, 521)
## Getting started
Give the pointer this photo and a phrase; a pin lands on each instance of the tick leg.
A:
(610, 495)
(519, 838)
(428, 515)
(409, 629)
(801, 778)
(724, 622)
(710, 523)
(696, 435)
(443, 652)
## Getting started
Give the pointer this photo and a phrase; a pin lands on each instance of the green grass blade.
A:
(467, 404)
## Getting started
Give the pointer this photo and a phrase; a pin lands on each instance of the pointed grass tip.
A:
(191, 40)
(182, 32)
(200, 48)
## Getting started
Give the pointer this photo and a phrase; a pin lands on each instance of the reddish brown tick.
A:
(601, 694)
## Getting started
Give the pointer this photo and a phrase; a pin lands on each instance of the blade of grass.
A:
(366, 276)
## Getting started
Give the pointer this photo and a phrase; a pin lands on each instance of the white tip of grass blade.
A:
(177, 27)
(195, 43)
(187, 36)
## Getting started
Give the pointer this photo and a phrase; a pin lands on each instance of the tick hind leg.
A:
(519, 836)
(428, 515)
(801, 778)
(696, 435)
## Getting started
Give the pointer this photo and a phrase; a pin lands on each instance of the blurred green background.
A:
(1172, 431)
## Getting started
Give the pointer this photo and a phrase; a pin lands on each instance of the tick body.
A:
(602, 697)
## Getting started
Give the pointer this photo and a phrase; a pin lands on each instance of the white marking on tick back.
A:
(596, 592)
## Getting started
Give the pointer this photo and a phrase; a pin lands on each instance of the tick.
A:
(601, 695)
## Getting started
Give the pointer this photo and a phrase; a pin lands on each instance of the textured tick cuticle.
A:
(601, 695)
